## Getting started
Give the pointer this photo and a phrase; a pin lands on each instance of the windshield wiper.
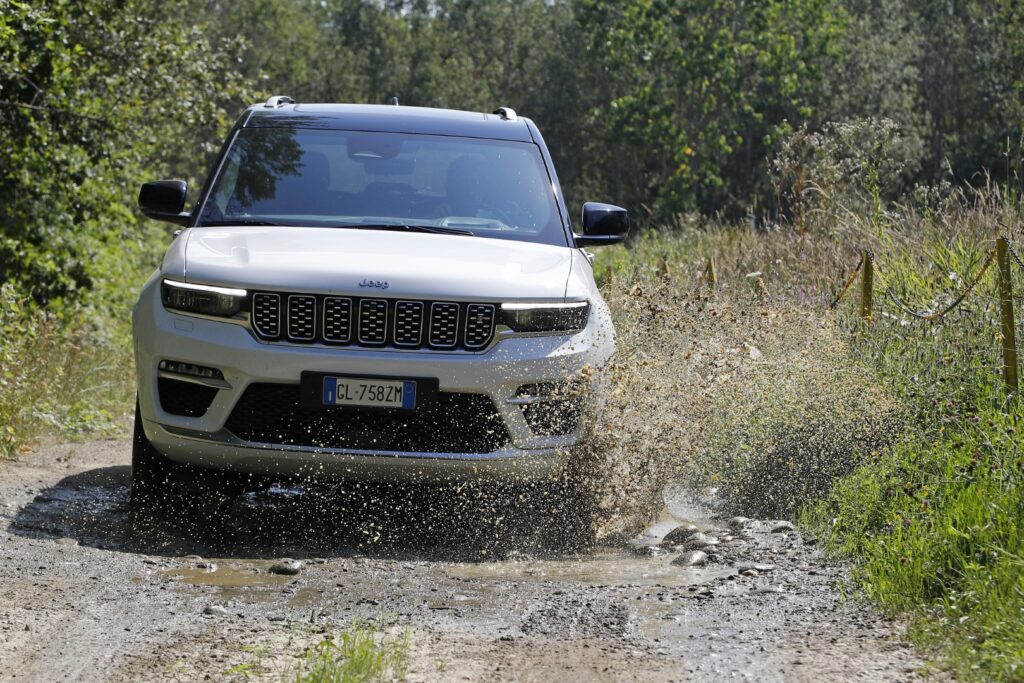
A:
(240, 222)
(404, 227)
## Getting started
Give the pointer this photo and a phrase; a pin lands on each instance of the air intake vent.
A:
(184, 398)
(266, 315)
(453, 423)
(301, 318)
(444, 325)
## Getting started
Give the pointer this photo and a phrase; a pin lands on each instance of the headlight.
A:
(203, 299)
(539, 317)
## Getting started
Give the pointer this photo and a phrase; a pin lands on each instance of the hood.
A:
(337, 260)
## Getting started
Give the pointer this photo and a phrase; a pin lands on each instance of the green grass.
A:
(936, 529)
(68, 374)
(894, 440)
(359, 654)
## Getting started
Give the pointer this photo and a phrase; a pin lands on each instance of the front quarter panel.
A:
(581, 285)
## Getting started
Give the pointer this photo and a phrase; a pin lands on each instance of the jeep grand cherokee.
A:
(369, 292)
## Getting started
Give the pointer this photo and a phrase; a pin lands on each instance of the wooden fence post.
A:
(867, 285)
(1006, 311)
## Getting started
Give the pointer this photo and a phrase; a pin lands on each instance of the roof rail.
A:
(278, 101)
(507, 113)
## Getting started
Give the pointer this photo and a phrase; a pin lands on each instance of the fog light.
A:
(551, 390)
(179, 368)
(551, 408)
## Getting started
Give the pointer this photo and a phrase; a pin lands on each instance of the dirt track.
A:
(87, 595)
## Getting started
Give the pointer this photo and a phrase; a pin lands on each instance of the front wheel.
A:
(152, 473)
(163, 487)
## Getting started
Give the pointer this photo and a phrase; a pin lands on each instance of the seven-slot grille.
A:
(306, 318)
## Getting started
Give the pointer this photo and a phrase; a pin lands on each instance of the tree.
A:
(701, 91)
(92, 94)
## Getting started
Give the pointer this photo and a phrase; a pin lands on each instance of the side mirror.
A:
(164, 200)
(602, 224)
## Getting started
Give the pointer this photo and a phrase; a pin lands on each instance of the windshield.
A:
(331, 178)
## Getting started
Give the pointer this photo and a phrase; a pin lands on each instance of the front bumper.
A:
(223, 451)
(496, 373)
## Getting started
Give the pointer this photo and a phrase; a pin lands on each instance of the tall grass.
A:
(64, 374)
(893, 439)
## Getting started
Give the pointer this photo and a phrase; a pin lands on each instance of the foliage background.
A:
(664, 106)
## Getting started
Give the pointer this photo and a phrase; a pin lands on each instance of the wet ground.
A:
(88, 592)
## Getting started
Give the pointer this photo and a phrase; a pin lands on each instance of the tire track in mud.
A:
(86, 594)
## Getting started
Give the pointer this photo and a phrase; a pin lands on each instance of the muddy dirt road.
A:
(87, 595)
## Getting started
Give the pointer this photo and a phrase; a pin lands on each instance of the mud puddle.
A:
(227, 576)
(604, 567)
(614, 566)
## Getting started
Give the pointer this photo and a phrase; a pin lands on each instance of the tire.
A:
(152, 473)
(162, 488)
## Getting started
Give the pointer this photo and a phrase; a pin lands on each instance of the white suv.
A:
(369, 292)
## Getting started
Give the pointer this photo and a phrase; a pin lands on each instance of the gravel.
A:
(99, 612)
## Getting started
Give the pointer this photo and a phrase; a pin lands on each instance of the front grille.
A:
(453, 423)
(184, 398)
(308, 318)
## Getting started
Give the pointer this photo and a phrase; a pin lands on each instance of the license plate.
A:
(379, 393)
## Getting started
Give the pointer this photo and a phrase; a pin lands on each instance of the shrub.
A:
(59, 374)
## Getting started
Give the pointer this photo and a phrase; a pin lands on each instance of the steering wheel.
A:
(509, 211)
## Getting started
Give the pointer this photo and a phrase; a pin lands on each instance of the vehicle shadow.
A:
(442, 523)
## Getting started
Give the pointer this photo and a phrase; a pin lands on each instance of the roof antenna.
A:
(394, 101)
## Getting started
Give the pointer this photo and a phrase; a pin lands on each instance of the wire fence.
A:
(1003, 255)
